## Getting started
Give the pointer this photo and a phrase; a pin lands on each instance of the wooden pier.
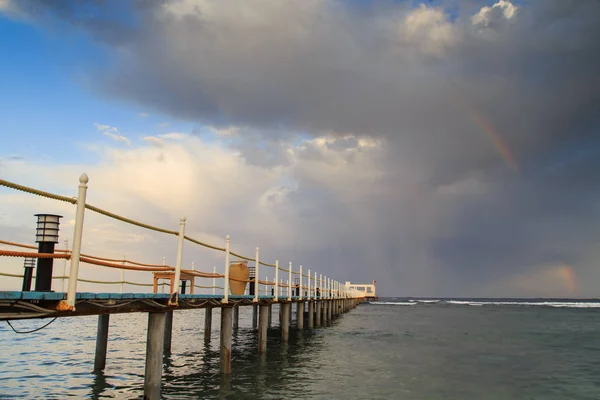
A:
(29, 305)
(319, 300)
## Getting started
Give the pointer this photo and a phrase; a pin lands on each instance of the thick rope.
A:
(202, 274)
(98, 210)
(26, 189)
(203, 244)
(130, 221)
(10, 253)
(121, 266)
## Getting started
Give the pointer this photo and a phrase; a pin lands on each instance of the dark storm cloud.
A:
(436, 90)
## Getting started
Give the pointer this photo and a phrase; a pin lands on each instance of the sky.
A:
(445, 148)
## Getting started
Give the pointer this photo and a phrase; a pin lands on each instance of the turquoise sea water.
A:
(393, 350)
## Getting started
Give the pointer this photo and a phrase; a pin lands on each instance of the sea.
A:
(395, 348)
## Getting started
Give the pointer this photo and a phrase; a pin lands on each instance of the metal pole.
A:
(76, 252)
(301, 288)
(308, 284)
(256, 280)
(276, 280)
(174, 299)
(290, 283)
(226, 285)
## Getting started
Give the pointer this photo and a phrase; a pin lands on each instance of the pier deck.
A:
(26, 305)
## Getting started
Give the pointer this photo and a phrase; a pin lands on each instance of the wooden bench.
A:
(170, 275)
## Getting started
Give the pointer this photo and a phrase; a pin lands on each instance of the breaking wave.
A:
(502, 303)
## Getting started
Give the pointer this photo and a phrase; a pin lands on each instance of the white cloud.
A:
(502, 9)
(428, 28)
(143, 115)
(173, 135)
(112, 133)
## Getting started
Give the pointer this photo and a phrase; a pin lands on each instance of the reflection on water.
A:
(374, 352)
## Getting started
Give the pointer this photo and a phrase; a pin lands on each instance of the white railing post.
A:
(321, 286)
(290, 283)
(308, 292)
(267, 286)
(301, 288)
(175, 294)
(69, 304)
(315, 288)
(64, 274)
(256, 280)
(193, 266)
(226, 284)
(162, 286)
(123, 274)
(214, 280)
(276, 280)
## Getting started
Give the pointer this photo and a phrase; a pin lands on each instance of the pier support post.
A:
(270, 314)
(330, 311)
(168, 332)
(324, 313)
(226, 334)
(285, 322)
(154, 355)
(236, 317)
(254, 315)
(311, 314)
(207, 323)
(101, 342)
(300, 314)
(262, 329)
(317, 314)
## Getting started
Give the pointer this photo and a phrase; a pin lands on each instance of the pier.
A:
(318, 300)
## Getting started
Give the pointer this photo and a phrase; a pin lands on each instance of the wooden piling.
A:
(254, 315)
(207, 323)
(317, 314)
(101, 342)
(168, 332)
(226, 334)
(270, 315)
(236, 317)
(262, 329)
(311, 314)
(285, 322)
(300, 315)
(330, 311)
(154, 355)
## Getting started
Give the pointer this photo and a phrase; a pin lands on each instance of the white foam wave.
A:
(393, 303)
(527, 303)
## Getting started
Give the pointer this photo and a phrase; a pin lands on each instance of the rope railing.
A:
(109, 214)
(322, 286)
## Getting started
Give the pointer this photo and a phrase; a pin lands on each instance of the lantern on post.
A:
(46, 236)
(28, 265)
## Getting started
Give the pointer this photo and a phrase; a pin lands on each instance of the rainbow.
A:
(566, 273)
(491, 132)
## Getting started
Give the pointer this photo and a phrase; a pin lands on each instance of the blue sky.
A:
(48, 110)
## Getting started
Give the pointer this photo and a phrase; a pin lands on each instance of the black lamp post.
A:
(46, 236)
(28, 265)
